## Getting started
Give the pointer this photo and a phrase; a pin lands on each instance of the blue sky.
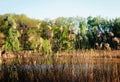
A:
(41, 9)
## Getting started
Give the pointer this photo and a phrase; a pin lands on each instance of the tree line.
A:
(19, 32)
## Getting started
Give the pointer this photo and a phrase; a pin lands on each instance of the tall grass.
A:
(72, 66)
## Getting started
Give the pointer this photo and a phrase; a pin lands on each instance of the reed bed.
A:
(72, 66)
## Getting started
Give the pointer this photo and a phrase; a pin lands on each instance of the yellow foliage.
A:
(2, 35)
(116, 39)
(111, 34)
(2, 41)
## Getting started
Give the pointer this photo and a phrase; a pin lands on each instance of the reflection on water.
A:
(60, 69)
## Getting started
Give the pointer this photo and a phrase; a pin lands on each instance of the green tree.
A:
(116, 28)
(12, 42)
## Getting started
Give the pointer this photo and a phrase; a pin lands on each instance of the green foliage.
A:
(39, 35)
(116, 28)
(38, 44)
(45, 48)
(12, 42)
(12, 35)
(83, 27)
(43, 30)
(63, 40)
